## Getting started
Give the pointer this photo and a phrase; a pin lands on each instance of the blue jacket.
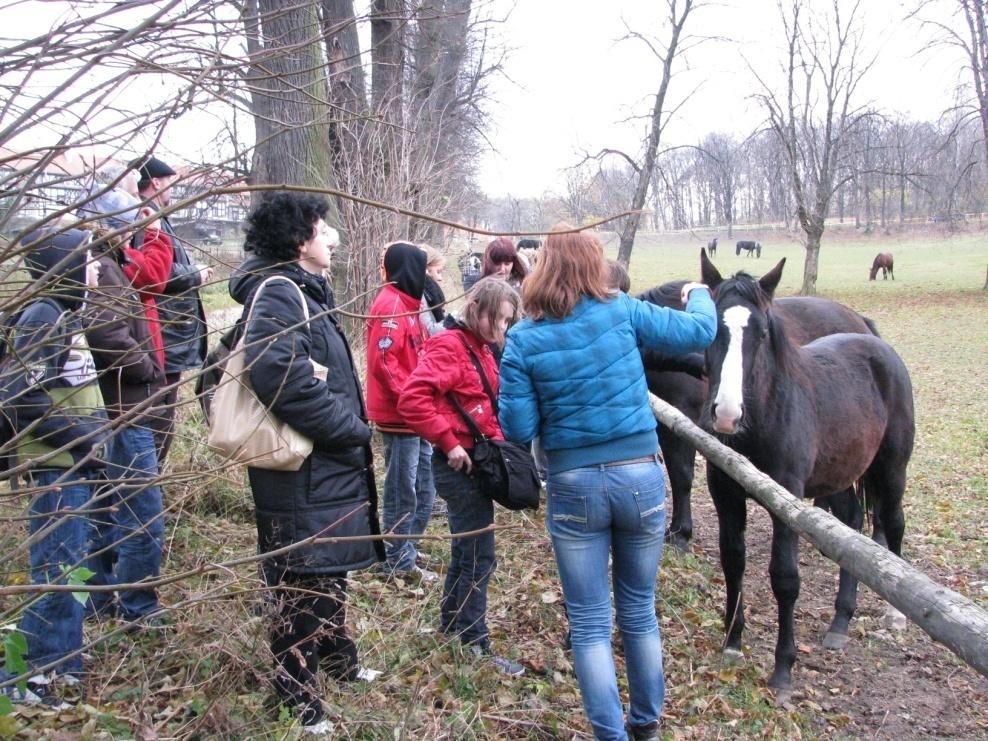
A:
(579, 382)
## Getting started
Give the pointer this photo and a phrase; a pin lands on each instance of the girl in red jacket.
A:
(447, 371)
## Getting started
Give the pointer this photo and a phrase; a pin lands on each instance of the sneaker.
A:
(424, 560)
(319, 728)
(417, 575)
(503, 665)
(41, 690)
(367, 675)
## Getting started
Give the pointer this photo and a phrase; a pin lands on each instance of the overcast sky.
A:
(571, 84)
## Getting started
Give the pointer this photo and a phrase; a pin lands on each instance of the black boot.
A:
(647, 732)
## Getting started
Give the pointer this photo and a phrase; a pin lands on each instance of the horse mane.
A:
(667, 294)
(785, 351)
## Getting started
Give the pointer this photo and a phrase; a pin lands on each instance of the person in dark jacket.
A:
(183, 320)
(444, 378)
(129, 530)
(333, 493)
(50, 396)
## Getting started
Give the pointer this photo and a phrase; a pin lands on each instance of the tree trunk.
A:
(387, 78)
(654, 135)
(948, 617)
(289, 93)
(811, 265)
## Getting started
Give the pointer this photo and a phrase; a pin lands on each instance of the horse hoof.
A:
(835, 641)
(894, 619)
(783, 698)
(732, 656)
(680, 544)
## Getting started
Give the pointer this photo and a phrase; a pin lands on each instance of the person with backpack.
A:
(125, 338)
(572, 373)
(50, 395)
(183, 319)
(333, 492)
(457, 376)
(395, 337)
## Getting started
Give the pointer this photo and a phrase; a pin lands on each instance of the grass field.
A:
(207, 676)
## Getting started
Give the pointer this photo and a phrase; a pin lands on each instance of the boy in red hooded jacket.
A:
(395, 337)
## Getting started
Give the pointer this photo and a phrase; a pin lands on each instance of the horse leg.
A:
(887, 482)
(679, 457)
(783, 571)
(846, 508)
(732, 516)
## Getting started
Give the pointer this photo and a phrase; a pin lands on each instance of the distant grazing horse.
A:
(883, 260)
(806, 318)
(818, 419)
(712, 246)
(750, 246)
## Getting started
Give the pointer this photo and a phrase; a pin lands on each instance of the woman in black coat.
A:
(333, 493)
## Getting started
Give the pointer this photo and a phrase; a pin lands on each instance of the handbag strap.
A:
(257, 292)
(478, 436)
(488, 389)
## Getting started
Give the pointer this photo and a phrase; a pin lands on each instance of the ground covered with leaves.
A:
(207, 675)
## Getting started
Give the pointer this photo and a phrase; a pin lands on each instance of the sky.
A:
(571, 84)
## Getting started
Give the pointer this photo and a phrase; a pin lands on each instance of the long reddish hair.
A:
(571, 266)
(500, 250)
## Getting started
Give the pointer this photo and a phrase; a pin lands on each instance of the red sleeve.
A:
(149, 267)
(437, 373)
(388, 352)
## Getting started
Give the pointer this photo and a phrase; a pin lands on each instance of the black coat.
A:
(180, 310)
(333, 494)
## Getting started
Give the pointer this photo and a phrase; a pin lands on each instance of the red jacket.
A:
(445, 368)
(393, 346)
(147, 270)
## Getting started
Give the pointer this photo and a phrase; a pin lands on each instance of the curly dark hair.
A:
(281, 222)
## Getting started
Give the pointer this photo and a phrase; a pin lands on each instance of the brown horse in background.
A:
(883, 260)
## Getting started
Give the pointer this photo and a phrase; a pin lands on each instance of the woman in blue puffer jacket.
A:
(572, 373)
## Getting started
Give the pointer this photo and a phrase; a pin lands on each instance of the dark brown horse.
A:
(712, 246)
(883, 260)
(817, 418)
(806, 319)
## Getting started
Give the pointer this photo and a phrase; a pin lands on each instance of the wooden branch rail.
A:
(948, 617)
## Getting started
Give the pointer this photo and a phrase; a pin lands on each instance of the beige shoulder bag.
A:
(242, 428)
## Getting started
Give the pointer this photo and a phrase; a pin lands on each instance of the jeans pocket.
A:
(651, 501)
(567, 513)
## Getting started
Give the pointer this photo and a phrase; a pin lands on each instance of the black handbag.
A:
(505, 471)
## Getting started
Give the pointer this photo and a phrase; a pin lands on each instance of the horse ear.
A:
(708, 273)
(770, 281)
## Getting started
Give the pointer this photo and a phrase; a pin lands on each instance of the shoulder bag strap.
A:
(270, 279)
(488, 389)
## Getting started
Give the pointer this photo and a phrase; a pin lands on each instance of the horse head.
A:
(744, 323)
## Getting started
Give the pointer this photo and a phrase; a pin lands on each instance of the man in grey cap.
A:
(183, 321)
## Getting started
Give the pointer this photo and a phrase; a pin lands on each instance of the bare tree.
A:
(644, 165)
(966, 31)
(815, 116)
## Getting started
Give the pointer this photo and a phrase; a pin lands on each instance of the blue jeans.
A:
(619, 512)
(463, 609)
(409, 493)
(53, 624)
(135, 531)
